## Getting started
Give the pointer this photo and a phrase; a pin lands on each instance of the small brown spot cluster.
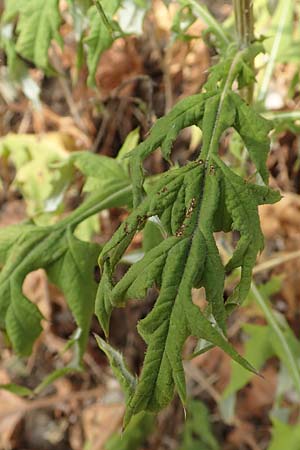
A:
(191, 208)
(212, 170)
(163, 190)
(188, 214)
(141, 221)
(180, 230)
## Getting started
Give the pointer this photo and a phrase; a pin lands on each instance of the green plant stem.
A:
(227, 84)
(271, 319)
(244, 25)
(94, 204)
(282, 115)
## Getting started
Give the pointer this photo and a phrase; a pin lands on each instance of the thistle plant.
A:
(190, 204)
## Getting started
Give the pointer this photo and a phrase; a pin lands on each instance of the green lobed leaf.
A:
(187, 202)
(186, 113)
(184, 260)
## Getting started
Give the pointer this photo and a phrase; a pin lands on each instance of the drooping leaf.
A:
(187, 201)
(69, 262)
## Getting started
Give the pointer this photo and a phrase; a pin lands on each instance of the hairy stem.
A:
(244, 25)
(227, 85)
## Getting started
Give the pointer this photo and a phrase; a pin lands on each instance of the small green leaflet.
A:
(118, 365)
(188, 202)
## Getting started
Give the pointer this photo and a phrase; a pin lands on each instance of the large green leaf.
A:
(187, 201)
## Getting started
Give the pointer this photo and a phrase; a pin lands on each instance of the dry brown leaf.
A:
(119, 63)
(282, 218)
